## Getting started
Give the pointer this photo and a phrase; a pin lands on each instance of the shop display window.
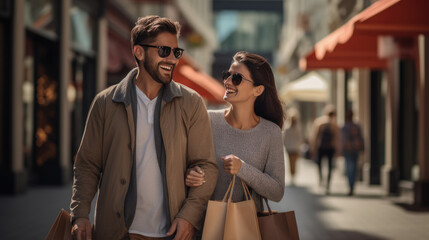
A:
(83, 15)
(41, 110)
(253, 31)
(41, 15)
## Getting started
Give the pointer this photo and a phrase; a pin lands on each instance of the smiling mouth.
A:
(230, 91)
(166, 67)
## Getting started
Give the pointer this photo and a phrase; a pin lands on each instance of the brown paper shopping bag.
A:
(228, 220)
(61, 229)
(277, 226)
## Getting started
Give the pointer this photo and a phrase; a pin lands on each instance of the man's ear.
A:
(138, 52)
(258, 90)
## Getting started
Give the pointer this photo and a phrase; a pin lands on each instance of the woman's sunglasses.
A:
(235, 79)
(164, 51)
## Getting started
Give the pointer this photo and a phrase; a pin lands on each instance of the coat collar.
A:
(123, 90)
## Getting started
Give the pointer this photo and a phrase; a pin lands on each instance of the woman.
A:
(292, 140)
(247, 135)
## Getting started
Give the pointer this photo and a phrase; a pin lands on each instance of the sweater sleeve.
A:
(269, 183)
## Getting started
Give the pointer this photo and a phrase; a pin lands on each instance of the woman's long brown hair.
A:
(267, 105)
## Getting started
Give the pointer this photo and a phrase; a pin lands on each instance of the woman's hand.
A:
(231, 164)
(194, 177)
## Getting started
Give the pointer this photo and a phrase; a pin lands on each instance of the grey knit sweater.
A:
(261, 152)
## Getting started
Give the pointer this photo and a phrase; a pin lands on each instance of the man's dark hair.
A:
(147, 29)
(329, 110)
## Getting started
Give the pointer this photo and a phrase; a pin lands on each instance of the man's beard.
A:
(154, 72)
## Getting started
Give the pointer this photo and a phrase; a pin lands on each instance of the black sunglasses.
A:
(164, 51)
(236, 78)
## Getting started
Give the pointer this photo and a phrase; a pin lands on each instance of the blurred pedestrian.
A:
(138, 172)
(352, 144)
(247, 135)
(324, 142)
(292, 139)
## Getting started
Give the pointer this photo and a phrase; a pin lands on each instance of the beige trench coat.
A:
(104, 159)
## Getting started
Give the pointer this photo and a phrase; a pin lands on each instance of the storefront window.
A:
(81, 87)
(82, 15)
(40, 14)
(82, 29)
(252, 31)
(41, 105)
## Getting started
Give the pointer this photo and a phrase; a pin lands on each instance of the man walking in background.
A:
(324, 141)
(352, 144)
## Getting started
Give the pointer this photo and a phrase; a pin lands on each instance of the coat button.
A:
(123, 181)
(118, 214)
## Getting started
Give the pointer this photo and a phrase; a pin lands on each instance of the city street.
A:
(334, 75)
(367, 215)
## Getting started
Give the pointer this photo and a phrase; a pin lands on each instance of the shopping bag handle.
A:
(262, 205)
(230, 190)
(231, 186)
(246, 190)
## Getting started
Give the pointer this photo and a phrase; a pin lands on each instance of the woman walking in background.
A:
(247, 135)
(292, 139)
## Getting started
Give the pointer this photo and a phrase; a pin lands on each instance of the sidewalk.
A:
(30, 215)
(368, 215)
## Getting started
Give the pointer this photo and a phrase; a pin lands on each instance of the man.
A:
(351, 145)
(140, 138)
(325, 140)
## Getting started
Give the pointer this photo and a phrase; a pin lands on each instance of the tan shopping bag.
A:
(228, 220)
(277, 226)
(61, 229)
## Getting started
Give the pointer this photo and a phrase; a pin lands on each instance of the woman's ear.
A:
(258, 90)
(138, 52)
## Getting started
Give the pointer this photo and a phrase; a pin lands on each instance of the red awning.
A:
(355, 44)
(209, 88)
(360, 51)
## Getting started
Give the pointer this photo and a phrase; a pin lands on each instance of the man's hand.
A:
(81, 229)
(184, 230)
(231, 164)
(194, 177)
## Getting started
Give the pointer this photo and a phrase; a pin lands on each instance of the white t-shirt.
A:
(150, 217)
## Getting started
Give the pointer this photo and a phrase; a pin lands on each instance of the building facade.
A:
(384, 53)
(54, 57)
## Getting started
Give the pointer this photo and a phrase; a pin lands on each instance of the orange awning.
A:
(209, 88)
(355, 44)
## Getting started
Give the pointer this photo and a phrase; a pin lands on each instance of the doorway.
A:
(41, 109)
(408, 119)
(378, 125)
